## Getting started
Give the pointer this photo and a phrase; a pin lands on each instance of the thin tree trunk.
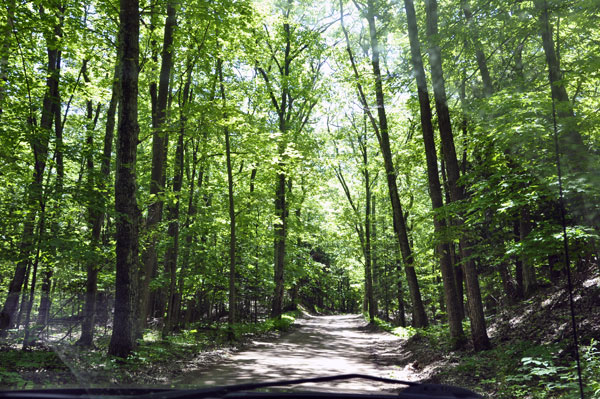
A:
(172, 254)
(187, 95)
(529, 278)
(232, 314)
(39, 144)
(368, 254)
(374, 259)
(45, 301)
(520, 290)
(418, 310)
(571, 143)
(488, 88)
(123, 337)
(96, 213)
(29, 303)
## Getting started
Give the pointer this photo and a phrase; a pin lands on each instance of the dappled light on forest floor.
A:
(317, 346)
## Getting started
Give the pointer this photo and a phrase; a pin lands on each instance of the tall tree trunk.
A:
(475, 305)
(232, 315)
(374, 258)
(96, 213)
(435, 192)
(368, 253)
(381, 129)
(281, 211)
(39, 139)
(45, 302)
(159, 161)
(571, 143)
(172, 253)
(488, 88)
(123, 337)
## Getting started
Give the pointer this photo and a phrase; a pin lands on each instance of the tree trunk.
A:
(368, 253)
(29, 302)
(280, 228)
(488, 88)
(374, 260)
(529, 278)
(232, 315)
(96, 213)
(571, 143)
(159, 161)
(520, 291)
(123, 337)
(45, 302)
(381, 129)
(475, 305)
(435, 192)
(39, 143)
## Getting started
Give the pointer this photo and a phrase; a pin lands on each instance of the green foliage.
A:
(523, 369)
(402, 332)
(19, 369)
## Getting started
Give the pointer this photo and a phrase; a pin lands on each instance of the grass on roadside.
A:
(512, 369)
(45, 366)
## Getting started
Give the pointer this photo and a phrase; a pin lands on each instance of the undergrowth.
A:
(45, 366)
(513, 369)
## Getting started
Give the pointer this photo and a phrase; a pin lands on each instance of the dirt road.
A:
(317, 346)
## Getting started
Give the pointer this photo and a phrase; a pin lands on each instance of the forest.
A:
(180, 174)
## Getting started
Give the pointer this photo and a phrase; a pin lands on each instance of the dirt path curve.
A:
(317, 346)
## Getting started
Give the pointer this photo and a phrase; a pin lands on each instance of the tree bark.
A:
(529, 278)
(435, 192)
(571, 143)
(368, 253)
(96, 214)
(232, 314)
(159, 160)
(475, 305)
(39, 140)
(123, 337)
(381, 129)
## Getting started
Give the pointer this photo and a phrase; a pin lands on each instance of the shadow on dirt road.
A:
(317, 346)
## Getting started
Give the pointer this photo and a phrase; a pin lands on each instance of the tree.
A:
(293, 108)
(38, 138)
(478, 329)
(435, 191)
(380, 127)
(123, 338)
(160, 143)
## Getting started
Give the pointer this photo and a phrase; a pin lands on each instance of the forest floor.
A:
(531, 354)
(316, 346)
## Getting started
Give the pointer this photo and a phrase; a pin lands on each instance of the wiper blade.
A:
(226, 389)
(415, 390)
